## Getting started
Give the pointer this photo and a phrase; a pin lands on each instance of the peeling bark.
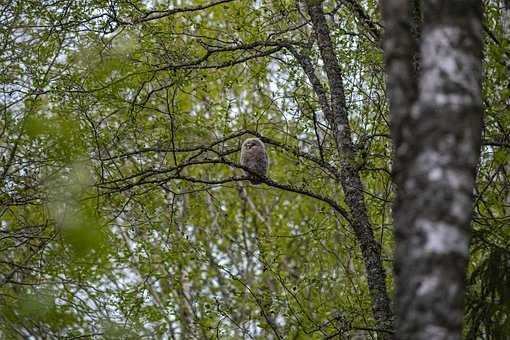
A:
(436, 130)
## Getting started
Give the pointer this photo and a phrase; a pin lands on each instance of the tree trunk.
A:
(436, 130)
(336, 114)
(505, 25)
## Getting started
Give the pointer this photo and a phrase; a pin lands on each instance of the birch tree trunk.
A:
(436, 129)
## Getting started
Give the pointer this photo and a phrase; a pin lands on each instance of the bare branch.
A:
(155, 15)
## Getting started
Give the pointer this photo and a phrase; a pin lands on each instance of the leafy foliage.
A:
(123, 209)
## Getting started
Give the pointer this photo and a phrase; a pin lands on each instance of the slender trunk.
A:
(337, 117)
(436, 133)
(505, 25)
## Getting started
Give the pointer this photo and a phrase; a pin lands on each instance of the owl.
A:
(254, 157)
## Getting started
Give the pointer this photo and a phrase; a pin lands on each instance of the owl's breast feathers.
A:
(258, 154)
(255, 159)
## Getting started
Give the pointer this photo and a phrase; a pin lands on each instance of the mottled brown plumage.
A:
(254, 157)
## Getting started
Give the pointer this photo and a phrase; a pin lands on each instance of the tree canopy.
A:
(125, 212)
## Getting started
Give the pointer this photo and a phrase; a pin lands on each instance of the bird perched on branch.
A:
(254, 157)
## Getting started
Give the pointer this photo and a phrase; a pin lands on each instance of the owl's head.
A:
(252, 143)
